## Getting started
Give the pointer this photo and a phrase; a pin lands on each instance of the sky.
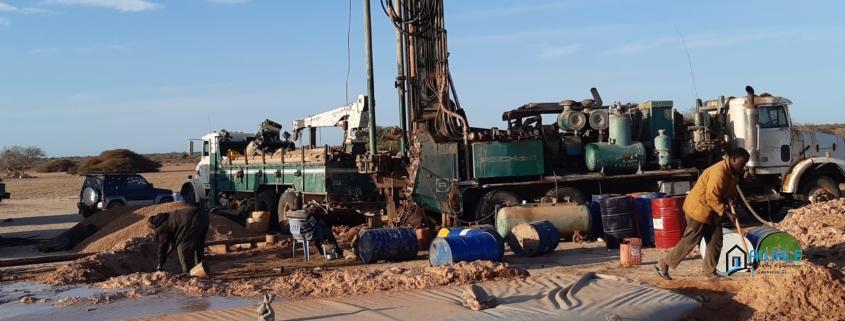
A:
(81, 76)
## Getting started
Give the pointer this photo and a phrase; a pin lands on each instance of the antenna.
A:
(689, 62)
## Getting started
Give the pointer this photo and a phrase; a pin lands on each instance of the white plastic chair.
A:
(295, 227)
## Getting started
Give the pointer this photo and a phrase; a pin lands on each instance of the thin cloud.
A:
(5, 22)
(229, 1)
(560, 51)
(7, 7)
(119, 5)
(641, 46)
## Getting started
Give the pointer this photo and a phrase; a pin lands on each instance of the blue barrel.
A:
(387, 244)
(617, 218)
(467, 248)
(769, 240)
(596, 227)
(534, 238)
(642, 215)
(464, 231)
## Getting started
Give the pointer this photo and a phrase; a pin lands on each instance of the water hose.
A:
(750, 209)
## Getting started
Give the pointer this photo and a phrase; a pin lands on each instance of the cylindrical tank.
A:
(571, 120)
(620, 128)
(668, 220)
(767, 240)
(732, 249)
(596, 227)
(663, 146)
(469, 247)
(617, 219)
(614, 158)
(566, 217)
(464, 231)
(387, 244)
(599, 119)
(642, 215)
(533, 238)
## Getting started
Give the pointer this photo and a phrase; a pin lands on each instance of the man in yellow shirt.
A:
(704, 207)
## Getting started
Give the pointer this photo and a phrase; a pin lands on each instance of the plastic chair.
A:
(295, 228)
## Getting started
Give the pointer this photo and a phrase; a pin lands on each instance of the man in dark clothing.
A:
(322, 230)
(183, 230)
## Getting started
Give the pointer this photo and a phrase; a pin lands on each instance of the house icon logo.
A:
(736, 260)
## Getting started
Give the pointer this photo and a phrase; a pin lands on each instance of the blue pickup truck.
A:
(106, 191)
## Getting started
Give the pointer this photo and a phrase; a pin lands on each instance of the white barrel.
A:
(732, 249)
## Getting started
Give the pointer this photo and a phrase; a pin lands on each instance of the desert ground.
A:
(43, 207)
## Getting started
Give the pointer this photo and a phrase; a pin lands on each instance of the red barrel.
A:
(667, 214)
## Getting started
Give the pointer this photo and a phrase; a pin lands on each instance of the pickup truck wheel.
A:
(289, 201)
(485, 213)
(268, 201)
(562, 194)
(115, 204)
(820, 189)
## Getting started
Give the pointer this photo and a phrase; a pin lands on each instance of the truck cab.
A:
(803, 165)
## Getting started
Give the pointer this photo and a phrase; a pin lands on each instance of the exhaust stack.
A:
(752, 127)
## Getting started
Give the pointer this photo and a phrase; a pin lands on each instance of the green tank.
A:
(571, 120)
(620, 128)
(615, 158)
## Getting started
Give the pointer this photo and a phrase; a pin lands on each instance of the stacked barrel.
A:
(650, 216)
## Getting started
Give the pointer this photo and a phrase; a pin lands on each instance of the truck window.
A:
(136, 182)
(772, 117)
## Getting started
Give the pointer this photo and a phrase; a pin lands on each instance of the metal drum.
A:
(568, 218)
(464, 231)
(732, 250)
(534, 238)
(642, 215)
(387, 244)
(668, 221)
(767, 240)
(617, 218)
(596, 226)
(469, 247)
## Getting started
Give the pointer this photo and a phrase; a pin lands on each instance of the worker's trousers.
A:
(192, 251)
(695, 230)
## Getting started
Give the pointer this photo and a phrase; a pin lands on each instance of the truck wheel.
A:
(289, 201)
(486, 211)
(115, 204)
(562, 194)
(820, 188)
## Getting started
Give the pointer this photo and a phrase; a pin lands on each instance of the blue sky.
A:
(81, 76)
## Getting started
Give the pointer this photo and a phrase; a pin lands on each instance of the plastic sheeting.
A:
(546, 297)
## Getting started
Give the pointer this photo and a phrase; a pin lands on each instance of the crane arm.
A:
(352, 118)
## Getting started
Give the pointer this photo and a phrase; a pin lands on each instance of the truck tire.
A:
(485, 213)
(115, 204)
(819, 188)
(289, 201)
(564, 193)
(268, 201)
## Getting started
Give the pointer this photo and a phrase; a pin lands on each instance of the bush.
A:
(117, 161)
(57, 165)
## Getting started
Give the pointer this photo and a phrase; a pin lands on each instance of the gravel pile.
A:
(810, 292)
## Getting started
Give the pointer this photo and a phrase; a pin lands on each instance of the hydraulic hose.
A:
(751, 210)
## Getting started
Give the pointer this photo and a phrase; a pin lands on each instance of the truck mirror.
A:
(190, 148)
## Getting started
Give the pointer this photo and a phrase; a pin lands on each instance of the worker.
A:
(706, 204)
(323, 233)
(184, 230)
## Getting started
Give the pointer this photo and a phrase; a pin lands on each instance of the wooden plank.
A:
(42, 259)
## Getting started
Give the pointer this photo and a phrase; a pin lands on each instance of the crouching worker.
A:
(317, 226)
(183, 230)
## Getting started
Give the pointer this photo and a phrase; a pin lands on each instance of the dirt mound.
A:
(118, 161)
(124, 227)
(820, 228)
(323, 283)
(810, 292)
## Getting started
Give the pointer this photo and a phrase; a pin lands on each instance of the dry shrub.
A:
(57, 165)
(118, 161)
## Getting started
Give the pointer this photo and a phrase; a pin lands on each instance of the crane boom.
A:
(352, 118)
